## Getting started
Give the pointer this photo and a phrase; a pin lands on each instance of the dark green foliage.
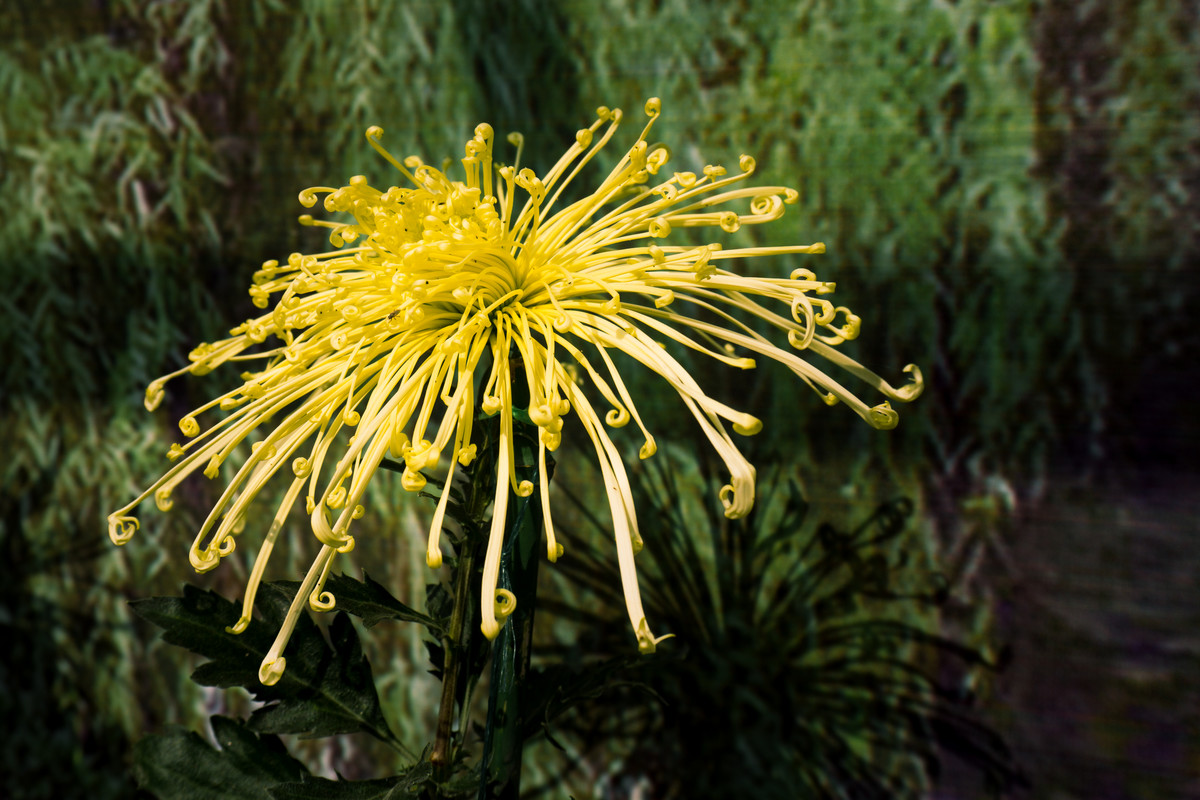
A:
(551, 691)
(819, 648)
(325, 690)
(182, 766)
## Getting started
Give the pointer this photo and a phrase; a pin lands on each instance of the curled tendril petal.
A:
(766, 205)
(213, 467)
(617, 417)
(883, 417)
(911, 390)
(506, 604)
(467, 455)
(412, 481)
(189, 427)
(648, 449)
(322, 601)
(336, 498)
(154, 394)
(269, 672)
(162, 498)
(122, 528)
(490, 405)
(648, 642)
(737, 496)
(203, 560)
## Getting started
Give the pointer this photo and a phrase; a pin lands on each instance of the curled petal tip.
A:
(883, 417)
(412, 481)
(203, 560)
(506, 604)
(322, 601)
(648, 642)
(467, 455)
(490, 629)
(154, 395)
(121, 528)
(269, 672)
(737, 498)
(916, 384)
(239, 626)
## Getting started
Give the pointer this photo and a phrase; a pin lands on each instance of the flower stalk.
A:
(512, 649)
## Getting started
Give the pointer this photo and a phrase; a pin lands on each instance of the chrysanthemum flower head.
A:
(441, 295)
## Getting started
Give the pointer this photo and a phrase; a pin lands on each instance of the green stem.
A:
(452, 644)
(462, 639)
(503, 736)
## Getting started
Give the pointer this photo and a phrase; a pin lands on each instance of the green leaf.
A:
(323, 692)
(182, 766)
(373, 603)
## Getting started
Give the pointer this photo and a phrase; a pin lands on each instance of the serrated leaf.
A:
(323, 692)
(370, 601)
(182, 766)
(338, 694)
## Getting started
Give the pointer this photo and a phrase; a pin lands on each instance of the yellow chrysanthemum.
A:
(433, 285)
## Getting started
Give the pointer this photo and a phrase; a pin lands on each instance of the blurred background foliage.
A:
(1008, 191)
